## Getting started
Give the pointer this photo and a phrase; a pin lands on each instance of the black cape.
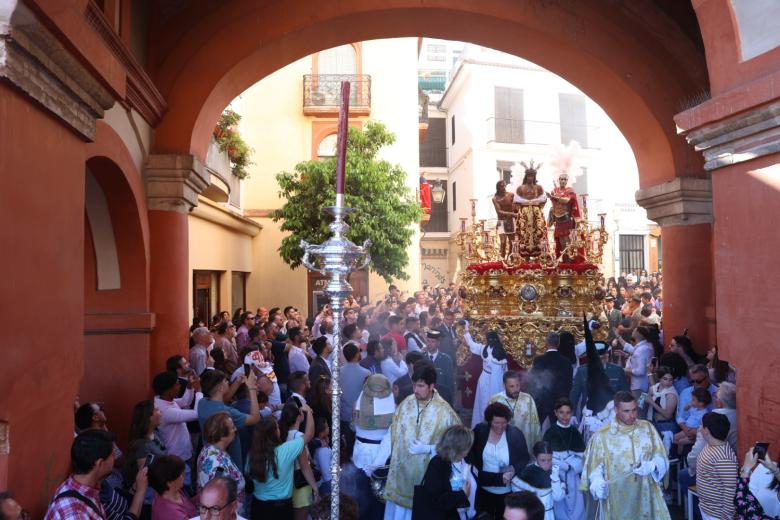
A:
(564, 439)
(536, 476)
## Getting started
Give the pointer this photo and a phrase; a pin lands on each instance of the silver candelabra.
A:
(336, 258)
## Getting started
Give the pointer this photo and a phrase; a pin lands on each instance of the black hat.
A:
(609, 299)
(433, 334)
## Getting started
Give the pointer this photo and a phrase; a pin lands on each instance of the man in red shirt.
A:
(396, 325)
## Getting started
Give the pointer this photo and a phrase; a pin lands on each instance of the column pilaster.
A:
(173, 182)
(683, 209)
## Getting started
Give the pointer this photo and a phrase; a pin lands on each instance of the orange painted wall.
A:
(42, 210)
(169, 285)
(688, 282)
(117, 323)
(746, 267)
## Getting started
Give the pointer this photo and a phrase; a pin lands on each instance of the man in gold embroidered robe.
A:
(523, 407)
(531, 227)
(625, 463)
(417, 426)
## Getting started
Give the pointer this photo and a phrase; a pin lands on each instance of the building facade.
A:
(288, 117)
(498, 110)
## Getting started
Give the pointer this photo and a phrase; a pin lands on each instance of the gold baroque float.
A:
(526, 298)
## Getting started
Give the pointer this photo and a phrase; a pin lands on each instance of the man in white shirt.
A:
(199, 351)
(174, 415)
(297, 358)
(393, 366)
(414, 342)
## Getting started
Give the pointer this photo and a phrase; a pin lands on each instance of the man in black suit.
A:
(445, 367)
(319, 367)
(550, 378)
(448, 343)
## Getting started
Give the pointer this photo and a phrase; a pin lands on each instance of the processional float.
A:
(524, 297)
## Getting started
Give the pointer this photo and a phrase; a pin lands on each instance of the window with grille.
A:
(509, 124)
(632, 252)
(574, 121)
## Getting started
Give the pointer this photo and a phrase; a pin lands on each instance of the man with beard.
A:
(502, 202)
(524, 414)
(531, 227)
(417, 425)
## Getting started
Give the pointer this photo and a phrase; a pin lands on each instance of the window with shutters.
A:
(509, 115)
(453, 128)
(574, 120)
(454, 197)
(632, 252)
(433, 150)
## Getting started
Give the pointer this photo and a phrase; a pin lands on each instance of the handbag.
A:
(299, 480)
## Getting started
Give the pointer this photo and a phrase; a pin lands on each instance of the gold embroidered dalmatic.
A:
(524, 416)
(421, 420)
(619, 448)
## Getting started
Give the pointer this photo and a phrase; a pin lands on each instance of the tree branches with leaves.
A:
(385, 206)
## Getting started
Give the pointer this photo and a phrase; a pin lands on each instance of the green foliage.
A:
(385, 207)
(230, 141)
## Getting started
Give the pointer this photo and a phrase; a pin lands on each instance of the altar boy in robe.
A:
(625, 462)
(568, 449)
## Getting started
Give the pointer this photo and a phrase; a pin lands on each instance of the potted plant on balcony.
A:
(230, 141)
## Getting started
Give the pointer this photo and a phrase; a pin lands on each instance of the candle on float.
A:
(482, 225)
(341, 145)
(585, 200)
(463, 225)
(473, 207)
(602, 217)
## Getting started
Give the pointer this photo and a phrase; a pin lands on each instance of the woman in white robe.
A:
(491, 380)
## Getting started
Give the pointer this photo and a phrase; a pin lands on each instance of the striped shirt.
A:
(716, 480)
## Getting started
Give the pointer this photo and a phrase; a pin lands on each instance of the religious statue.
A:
(531, 228)
(563, 215)
(503, 203)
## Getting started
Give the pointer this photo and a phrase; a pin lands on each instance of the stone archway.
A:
(117, 319)
(634, 61)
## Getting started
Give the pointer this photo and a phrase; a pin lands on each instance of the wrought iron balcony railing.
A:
(322, 93)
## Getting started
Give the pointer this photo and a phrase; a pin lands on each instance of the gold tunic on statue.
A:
(619, 447)
(524, 416)
(421, 420)
(531, 228)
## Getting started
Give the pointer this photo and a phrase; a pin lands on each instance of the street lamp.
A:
(438, 193)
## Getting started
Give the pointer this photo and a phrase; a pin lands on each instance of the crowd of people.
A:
(240, 427)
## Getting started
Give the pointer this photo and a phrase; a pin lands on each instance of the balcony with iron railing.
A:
(526, 131)
(322, 94)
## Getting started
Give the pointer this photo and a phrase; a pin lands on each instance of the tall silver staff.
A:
(336, 258)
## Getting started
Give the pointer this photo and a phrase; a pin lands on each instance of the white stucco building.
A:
(499, 109)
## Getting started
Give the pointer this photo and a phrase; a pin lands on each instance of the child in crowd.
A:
(700, 400)
(542, 478)
(320, 446)
(568, 448)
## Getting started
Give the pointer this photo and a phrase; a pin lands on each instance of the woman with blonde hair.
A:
(447, 489)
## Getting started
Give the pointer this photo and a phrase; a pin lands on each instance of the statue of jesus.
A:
(531, 227)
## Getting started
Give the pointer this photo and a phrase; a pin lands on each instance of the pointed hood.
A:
(599, 392)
